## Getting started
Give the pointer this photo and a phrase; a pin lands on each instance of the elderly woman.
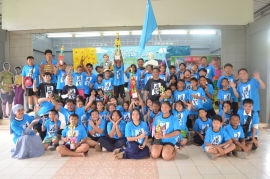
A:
(28, 145)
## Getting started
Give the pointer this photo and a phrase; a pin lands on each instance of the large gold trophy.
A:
(157, 130)
(117, 44)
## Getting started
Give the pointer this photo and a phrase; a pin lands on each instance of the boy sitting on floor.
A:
(217, 142)
(235, 131)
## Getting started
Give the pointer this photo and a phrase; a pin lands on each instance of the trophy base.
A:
(157, 141)
(117, 57)
(134, 95)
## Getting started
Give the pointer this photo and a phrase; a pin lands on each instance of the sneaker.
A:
(211, 156)
(120, 155)
(240, 154)
(98, 148)
(116, 151)
(29, 110)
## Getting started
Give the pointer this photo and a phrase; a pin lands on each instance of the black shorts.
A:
(30, 92)
(119, 91)
(93, 138)
(168, 143)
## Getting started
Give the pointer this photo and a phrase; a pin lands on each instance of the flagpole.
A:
(162, 49)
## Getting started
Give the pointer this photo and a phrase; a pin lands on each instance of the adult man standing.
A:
(6, 87)
(210, 69)
(248, 88)
(152, 87)
(48, 61)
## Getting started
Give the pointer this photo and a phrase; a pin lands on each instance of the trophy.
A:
(48, 67)
(61, 56)
(162, 91)
(72, 137)
(157, 129)
(117, 44)
(133, 86)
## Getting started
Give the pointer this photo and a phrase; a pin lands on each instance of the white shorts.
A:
(206, 148)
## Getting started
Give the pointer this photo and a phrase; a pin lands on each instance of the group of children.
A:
(95, 118)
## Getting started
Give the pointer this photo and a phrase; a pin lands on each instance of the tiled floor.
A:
(190, 163)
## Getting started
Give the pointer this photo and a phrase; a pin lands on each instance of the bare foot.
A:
(62, 155)
(81, 155)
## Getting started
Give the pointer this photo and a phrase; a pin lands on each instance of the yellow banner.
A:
(87, 54)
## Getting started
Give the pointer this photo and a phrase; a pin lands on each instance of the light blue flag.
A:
(149, 26)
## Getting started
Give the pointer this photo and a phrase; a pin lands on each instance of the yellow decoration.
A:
(88, 54)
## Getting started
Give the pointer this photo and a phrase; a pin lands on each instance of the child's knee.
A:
(167, 156)
(155, 155)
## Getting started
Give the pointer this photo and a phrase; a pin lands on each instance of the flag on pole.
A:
(149, 26)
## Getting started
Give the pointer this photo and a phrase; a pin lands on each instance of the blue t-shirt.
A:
(103, 115)
(79, 79)
(19, 126)
(84, 120)
(202, 126)
(207, 102)
(121, 125)
(137, 77)
(237, 133)
(195, 75)
(180, 95)
(107, 84)
(101, 126)
(140, 71)
(61, 79)
(163, 76)
(168, 125)
(210, 71)
(154, 115)
(187, 85)
(120, 108)
(98, 86)
(126, 116)
(250, 90)
(216, 138)
(182, 118)
(166, 99)
(118, 78)
(225, 95)
(80, 132)
(253, 123)
(133, 131)
(79, 111)
(33, 72)
(89, 80)
(227, 118)
(54, 62)
(50, 127)
(230, 79)
(147, 76)
(197, 103)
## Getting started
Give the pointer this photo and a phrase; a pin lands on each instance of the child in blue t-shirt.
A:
(162, 74)
(52, 125)
(200, 127)
(187, 77)
(107, 84)
(226, 113)
(181, 113)
(209, 97)
(251, 129)
(96, 129)
(136, 133)
(146, 75)
(235, 131)
(167, 96)
(61, 77)
(99, 84)
(126, 113)
(225, 93)
(217, 142)
(165, 130)
(101, 110)
(79, 79)
(116, 133)
(118, 80)
(181, 93)
(100, 96)
(153, 112)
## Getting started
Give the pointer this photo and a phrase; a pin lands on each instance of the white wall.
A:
(3, 39)
(258, 59)
(52, 14)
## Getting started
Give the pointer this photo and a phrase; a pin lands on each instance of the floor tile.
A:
(263, 168)
(213, 176)
(191, 177)
(248, 169)
(38, 163)
(41, 176)
(239, 162)
(187, 170)
(167, 170)
(228, 170)
(55, 163)
(163, 163)
(170, 177)
(20, 176)
(219, 162)
(185, 163)
(257, 176)
(206, 163)
(5, 176)
(208, 170)
(235, 176)
(47, 171)
(8, 171)
(20, 163)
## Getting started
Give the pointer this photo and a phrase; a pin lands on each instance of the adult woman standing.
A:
(28, 144)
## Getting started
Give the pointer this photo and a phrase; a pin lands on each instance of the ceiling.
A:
(260, 9)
